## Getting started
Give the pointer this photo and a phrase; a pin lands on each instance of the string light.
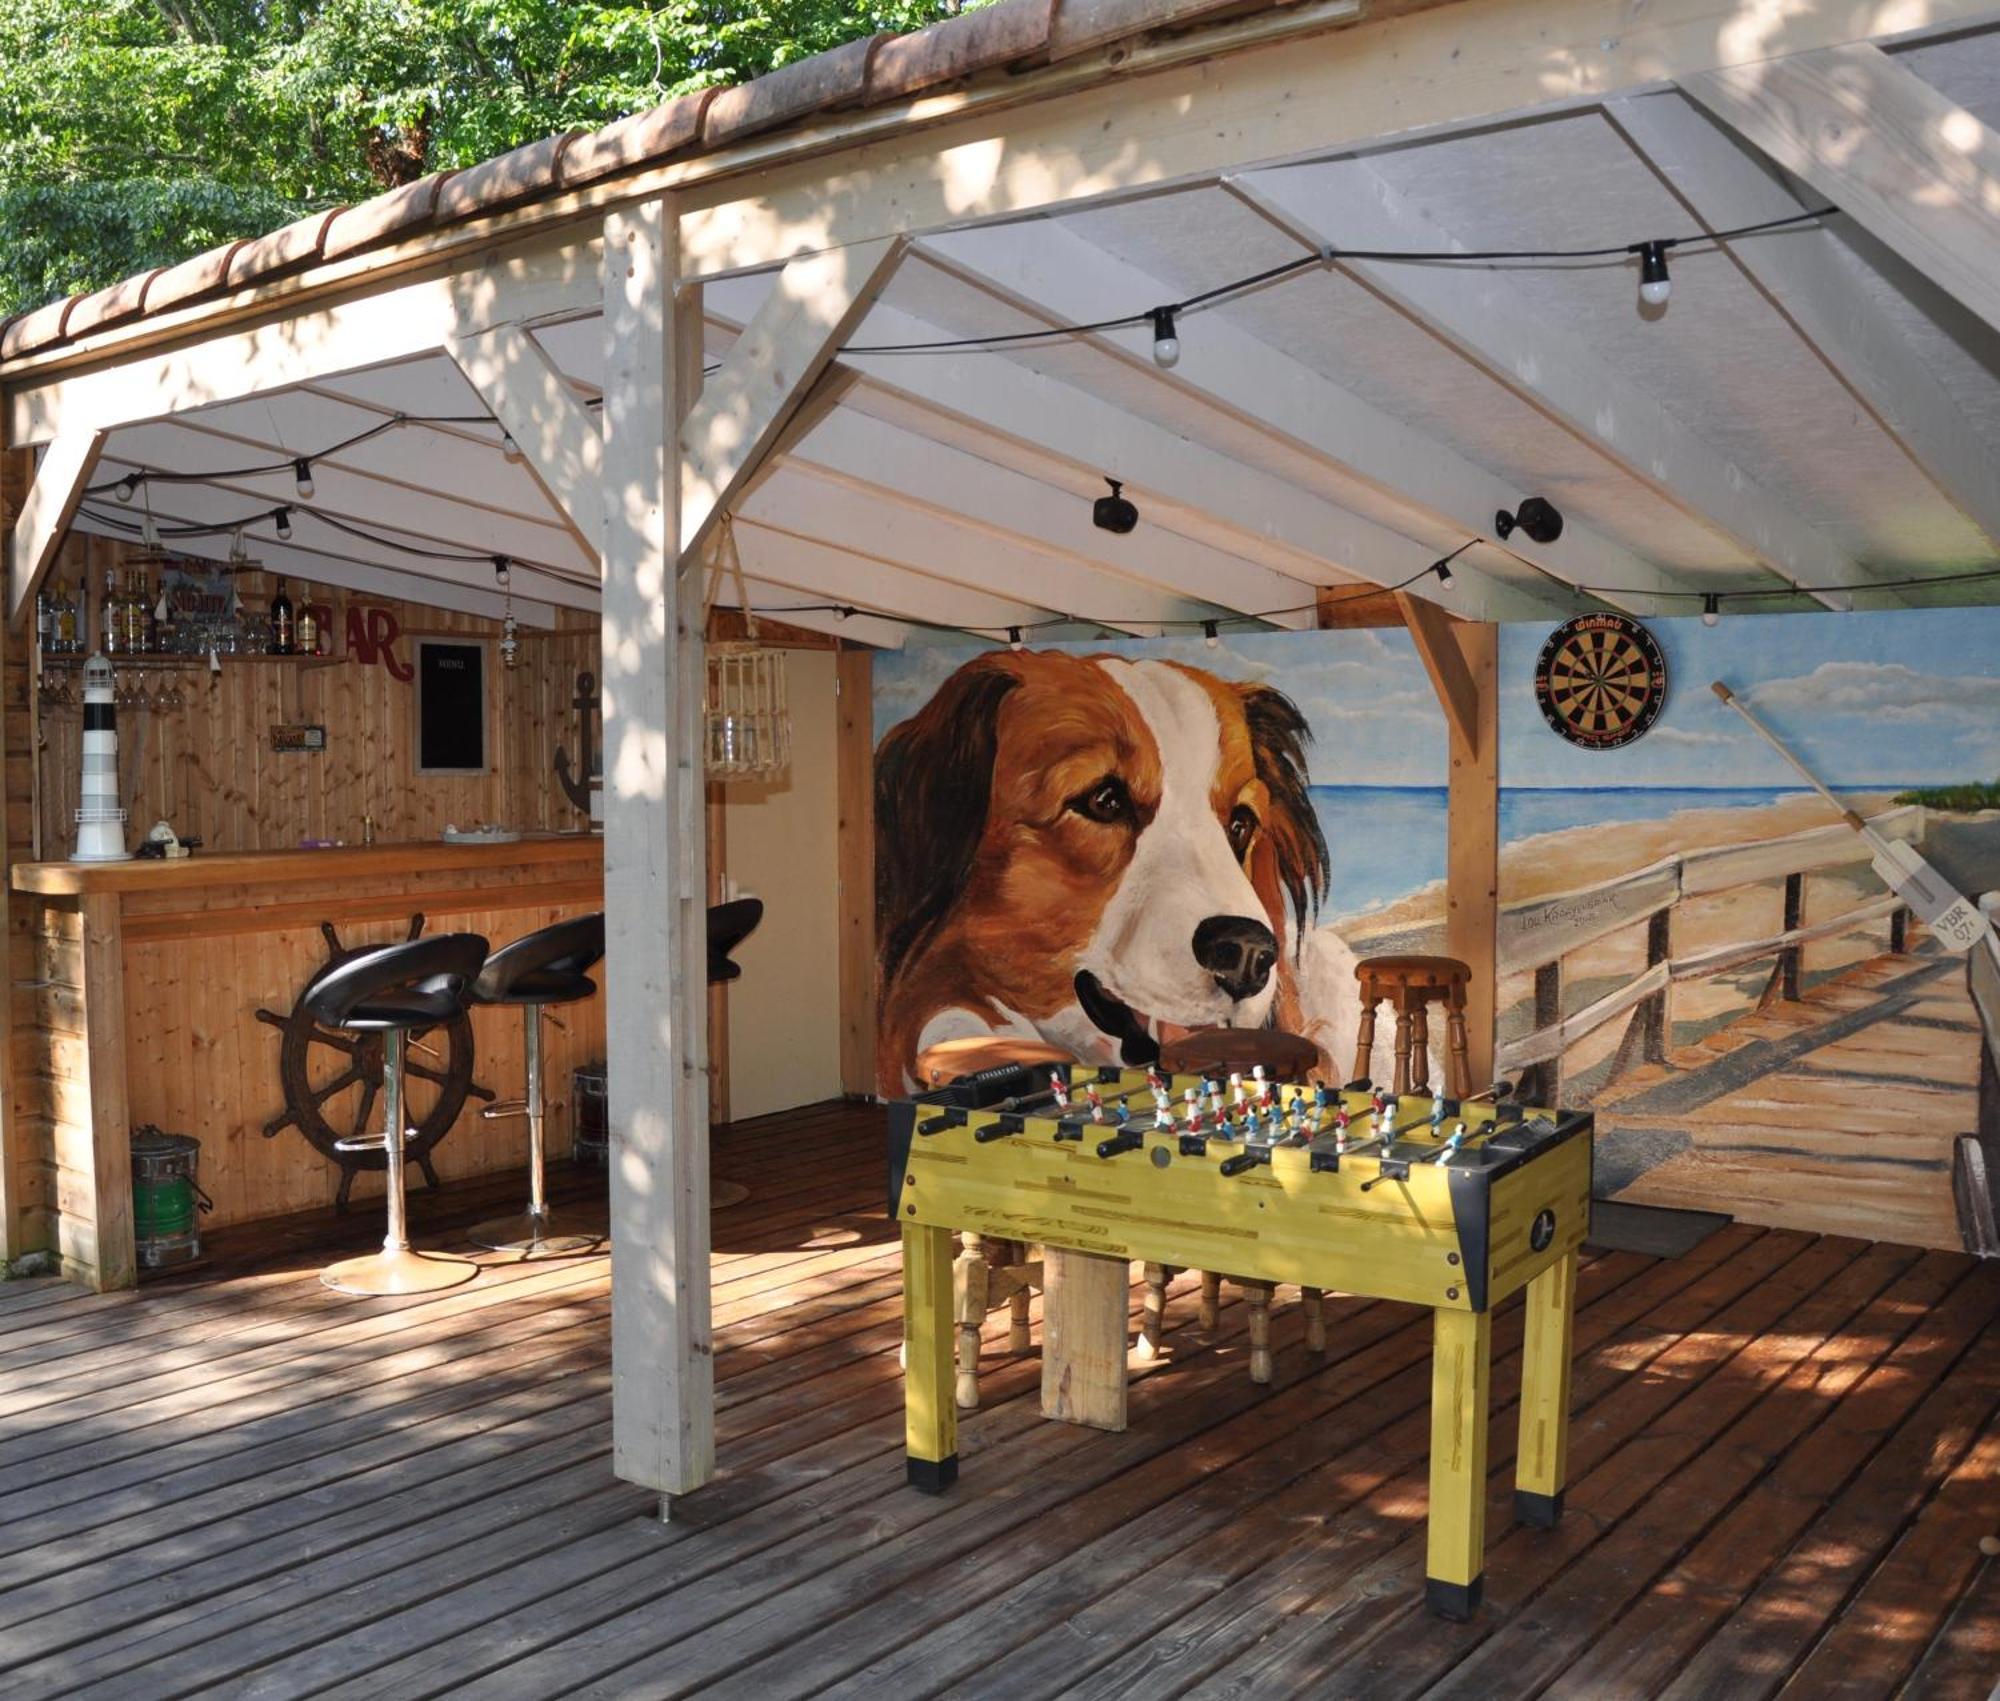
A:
(1164, 320)
(1654, 284)
(283, 521)
(128, 487)
(1209, 635)
(1711, 608)
(302, 479)
(1014, 639)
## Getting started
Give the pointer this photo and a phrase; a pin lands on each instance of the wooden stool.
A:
(1216, 1052)
(1258, 1295)
(1410, 984)
(1221, 1051)
(986, 1271)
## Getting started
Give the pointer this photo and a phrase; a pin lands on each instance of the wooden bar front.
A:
(147, 982)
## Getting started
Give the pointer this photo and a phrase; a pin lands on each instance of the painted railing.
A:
(1539, 934)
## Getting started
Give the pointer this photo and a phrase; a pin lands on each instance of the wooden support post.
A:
(854, 802)
(930, 1419)
(1541, 1461)
(663, 1374)
(716, 817)
(15, 470)
(1463, 661)
(1544, 1085)
(1083, 1338)
(1461, 1358)
(94, 1153)
(46, 510)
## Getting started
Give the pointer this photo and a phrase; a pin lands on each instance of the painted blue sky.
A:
(1898, 697)
(1374, 717)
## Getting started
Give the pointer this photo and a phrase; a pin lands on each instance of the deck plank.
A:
(234, 1485)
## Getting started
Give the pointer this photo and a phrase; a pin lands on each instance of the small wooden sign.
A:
(296, 738)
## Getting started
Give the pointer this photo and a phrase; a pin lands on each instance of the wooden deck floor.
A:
(1784, 1458)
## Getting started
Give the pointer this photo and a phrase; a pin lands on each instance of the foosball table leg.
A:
(1211, 1299)
(930, 1419)
(1314, 1305)
(1259, 1296)
(1153, 1316)
(1461, 1359)
(1542, 1459)
(969, 1298)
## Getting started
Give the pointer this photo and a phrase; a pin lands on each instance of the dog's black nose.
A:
(1238, 951)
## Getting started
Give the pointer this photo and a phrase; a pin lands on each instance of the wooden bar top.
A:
(345, 865)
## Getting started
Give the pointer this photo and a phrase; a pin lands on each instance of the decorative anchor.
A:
(577, 785)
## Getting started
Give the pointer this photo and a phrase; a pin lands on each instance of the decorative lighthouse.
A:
(100, 823)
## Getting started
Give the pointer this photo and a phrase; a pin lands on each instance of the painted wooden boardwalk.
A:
(1761, 1116)
(1783, 1459)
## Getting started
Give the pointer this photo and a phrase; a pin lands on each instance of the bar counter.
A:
(144, 1006)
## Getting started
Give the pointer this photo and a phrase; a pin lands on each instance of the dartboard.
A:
(1601, 680)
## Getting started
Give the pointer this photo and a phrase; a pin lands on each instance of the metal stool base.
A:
(385, 1273)
(534, 1236)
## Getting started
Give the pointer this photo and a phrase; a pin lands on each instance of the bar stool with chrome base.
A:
(390, 991)
(541, 968)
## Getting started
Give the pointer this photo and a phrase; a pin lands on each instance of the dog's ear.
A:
(933, 781)
(1278, 737)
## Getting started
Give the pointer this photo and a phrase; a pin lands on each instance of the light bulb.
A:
(302, 477)
(1209, 635)
(1711, 609)
(500, 570)
(509, 448)
(1166, 343)
(1654, 284)
(1443, 571)
(128, 487)
(284, 523)
(237, 553)
(1014, 638)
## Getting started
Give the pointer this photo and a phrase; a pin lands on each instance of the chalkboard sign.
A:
(451, 707)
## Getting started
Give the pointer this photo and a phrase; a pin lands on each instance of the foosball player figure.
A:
(1162, 1097)
(1451, 1145)
(1096, 1101)
(1236, 1087)
(1437, 1109)
(1059, 1088)
(1263, 1083)
(1213, 1087)
(1193, 1111)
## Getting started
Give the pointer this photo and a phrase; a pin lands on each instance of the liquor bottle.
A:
(308, 630)
(111, 617)
(282, 632)
(67, 642)
(137, 614)
(45, 620)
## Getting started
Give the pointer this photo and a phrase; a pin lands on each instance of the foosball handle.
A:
(1238, 1164)
(1129, 1142)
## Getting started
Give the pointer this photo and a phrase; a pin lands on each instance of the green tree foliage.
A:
(134, 133)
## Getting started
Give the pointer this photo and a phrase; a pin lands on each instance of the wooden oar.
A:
(1954, 921)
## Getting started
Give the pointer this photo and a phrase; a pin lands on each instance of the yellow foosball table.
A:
(1451, 1204)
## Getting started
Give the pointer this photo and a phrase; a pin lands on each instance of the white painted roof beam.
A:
(1468, 308)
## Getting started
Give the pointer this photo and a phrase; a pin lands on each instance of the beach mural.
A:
(1690, 942)
(1694, 946)
(1102, 844)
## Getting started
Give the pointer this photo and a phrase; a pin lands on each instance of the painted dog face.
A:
(1090, 851)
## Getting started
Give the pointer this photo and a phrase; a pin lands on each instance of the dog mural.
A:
(1095, 852)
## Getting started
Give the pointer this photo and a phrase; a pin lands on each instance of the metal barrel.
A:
(166, 1198)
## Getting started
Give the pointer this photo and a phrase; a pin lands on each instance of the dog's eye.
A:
(1242, 829)
(1107, 801)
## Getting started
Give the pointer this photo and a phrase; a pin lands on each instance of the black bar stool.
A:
(391, 991)
(541, 968)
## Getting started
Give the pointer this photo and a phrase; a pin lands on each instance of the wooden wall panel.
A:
(208, 766)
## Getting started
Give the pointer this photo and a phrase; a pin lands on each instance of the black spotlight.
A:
(1540, 519)
(1114, 514)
